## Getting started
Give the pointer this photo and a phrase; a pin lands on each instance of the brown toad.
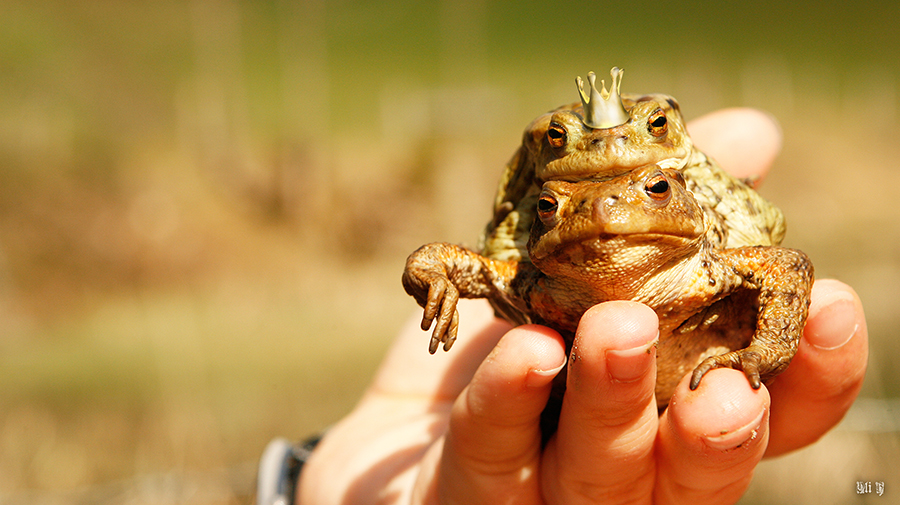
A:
(605, 135)
(608, 213)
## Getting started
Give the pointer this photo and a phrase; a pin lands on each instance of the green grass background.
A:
(205, 207)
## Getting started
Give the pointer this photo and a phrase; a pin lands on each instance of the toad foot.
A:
(752, 361)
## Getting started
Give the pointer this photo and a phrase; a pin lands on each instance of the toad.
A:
(594, 208)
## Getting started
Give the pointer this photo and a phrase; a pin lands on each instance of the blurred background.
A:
(205, 208)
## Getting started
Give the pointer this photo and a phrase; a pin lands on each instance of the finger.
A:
(604, 444)
(826, 374)
(409, 372)
(403, 411)
(711, 439)
(744, 141)
(493, 444)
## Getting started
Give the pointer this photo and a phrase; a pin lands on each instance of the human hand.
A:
(463, 427)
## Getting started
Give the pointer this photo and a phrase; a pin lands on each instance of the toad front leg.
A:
(438, 274)
(784, 278)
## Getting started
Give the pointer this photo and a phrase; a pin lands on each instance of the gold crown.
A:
(602, 109)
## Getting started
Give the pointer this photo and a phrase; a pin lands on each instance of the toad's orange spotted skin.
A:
(628, 211)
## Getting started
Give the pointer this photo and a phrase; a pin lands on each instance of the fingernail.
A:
(736, 438)
(834, 324)
(629, 365)
(540, 378)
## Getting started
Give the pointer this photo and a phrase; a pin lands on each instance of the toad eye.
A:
(657, 188)
(557, 135)
(547, 204)
(547, 207)
(657, 124)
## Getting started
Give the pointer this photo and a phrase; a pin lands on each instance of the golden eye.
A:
(657, 188)
(547, 206)
(657, 124)
(557, 135)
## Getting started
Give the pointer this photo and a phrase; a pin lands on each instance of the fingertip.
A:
(623, 325)
(549, 351)
(835, 315)
(510, 387)
(744, 141)
(529, 355)
(410, 369)
(711, 439)
(620, 335)
(615, 346)
(724, 412)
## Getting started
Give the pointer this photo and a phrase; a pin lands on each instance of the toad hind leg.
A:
(784, 280)
(438, 274)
